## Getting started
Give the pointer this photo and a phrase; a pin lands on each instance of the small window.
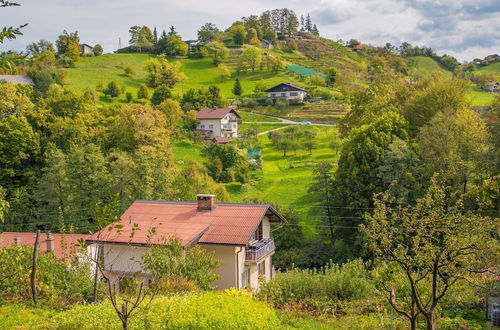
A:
(211, 126)
(283, 94)
(234, 125)
(202, 126)
(294, 94)
(245, 278)
(262, 268)
(273, 94)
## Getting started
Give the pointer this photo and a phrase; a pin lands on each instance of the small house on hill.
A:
(220, 140)
(238, 234)
(357, 48)
(17, 79)
(86, 50)
(218, 122)
(286, 91)
(267, 44)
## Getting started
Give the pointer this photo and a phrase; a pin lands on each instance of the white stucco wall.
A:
(216, 126)
(287, 95)
(227, 271)
(122, 258)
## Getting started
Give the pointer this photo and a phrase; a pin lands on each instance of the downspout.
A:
(238, 275)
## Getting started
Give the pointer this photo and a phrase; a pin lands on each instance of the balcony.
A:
(258, 251)
(226, 128)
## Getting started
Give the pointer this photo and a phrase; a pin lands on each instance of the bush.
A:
(200, 311)
(318, 288)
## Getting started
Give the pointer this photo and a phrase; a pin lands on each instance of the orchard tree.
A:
(98, 50)
(309, 140)
(437, 244)
(143, 92)
(224, 72)
(112, 89)
(217, 51)
(251, 58)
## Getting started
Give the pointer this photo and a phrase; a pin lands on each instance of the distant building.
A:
(267, 44)
(220, 140)
(286, 91)
(357, 48)
(86, 50)
(492, 87)
(218, 122)
(17, 79)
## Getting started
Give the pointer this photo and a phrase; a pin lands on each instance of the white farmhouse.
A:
(286, 91)
(218, 122)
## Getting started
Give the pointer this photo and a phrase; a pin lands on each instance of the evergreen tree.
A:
(237, 89)
(315, 30)
(172, 31)
(143, 92)
(155, 36)
(302, 27)
(308, 25)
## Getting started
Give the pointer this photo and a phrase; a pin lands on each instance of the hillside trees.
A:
(237, 89)
(207, 33)
(217, 51)
(251, 58)
(141, 38)
(162, 72)
(98, 50)
(68, 44)
(238, 33)
(175, 46)
(225, 163)
(437, 244)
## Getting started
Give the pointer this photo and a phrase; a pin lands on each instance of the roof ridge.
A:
(194, 203)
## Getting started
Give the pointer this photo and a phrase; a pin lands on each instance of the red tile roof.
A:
(228, 224)
(221, 139)
(215, 113)
(64, 246)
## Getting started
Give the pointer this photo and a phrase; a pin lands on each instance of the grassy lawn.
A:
(249, 117)
(493, 67)
(286, 185)
(479, 97)
(185, 150)
(260, 127)
(421, 66)
(200, 73)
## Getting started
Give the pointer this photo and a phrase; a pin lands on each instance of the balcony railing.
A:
(226, 128)
(259, 250)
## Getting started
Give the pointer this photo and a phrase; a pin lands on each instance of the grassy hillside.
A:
(286, 180)
(90, 71)
(422, 66)
(494, 67)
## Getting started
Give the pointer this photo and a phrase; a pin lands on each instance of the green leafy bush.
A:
(317, 289)
(201, 311)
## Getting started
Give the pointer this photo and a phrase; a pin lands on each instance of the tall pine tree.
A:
(237, 89)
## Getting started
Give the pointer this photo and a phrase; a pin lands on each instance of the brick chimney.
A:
(48, 242)
(205, 202)
(17, 240)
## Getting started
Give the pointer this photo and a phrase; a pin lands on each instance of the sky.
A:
(466, 29)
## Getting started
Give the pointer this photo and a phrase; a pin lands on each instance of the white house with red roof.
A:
(218, 122)
(238, 234)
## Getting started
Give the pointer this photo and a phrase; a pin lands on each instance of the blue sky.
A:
(463, 28)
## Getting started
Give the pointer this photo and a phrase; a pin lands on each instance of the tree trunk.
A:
(413, 323)
(430, 320)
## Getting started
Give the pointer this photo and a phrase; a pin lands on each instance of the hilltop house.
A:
(17, 79)
(286, 91)
(86, 50)
(218, 122)
(64, 246)
(238, 234)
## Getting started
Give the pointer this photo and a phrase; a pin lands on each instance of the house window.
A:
(283, 94)
(234, 125)
(202, 126)
(272, 95)
(294, 94)
(211, 126)
(257, 234)
(245, 278)
(262, 268)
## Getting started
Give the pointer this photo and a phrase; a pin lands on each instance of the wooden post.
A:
(96, 275)
(33, 267)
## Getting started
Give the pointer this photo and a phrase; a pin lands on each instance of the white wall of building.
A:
(225, 127)
(296, 95)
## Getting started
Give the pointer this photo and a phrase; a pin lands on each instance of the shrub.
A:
(199, 311)
(318, 288)
(129, 70)
(143, 92)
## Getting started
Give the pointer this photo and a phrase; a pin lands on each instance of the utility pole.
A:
(33, 267)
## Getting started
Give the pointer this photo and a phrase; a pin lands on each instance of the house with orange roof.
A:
(238, 234)
(218, 122)
(64, 246)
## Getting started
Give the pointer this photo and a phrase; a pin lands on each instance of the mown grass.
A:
(260, 127)
(249, 117)
(422, 66)
(200, 73)
(185, 150)
(479, 97)
(493, 67)
(286, 185)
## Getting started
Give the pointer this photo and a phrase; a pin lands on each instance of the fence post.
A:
(34, 266)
